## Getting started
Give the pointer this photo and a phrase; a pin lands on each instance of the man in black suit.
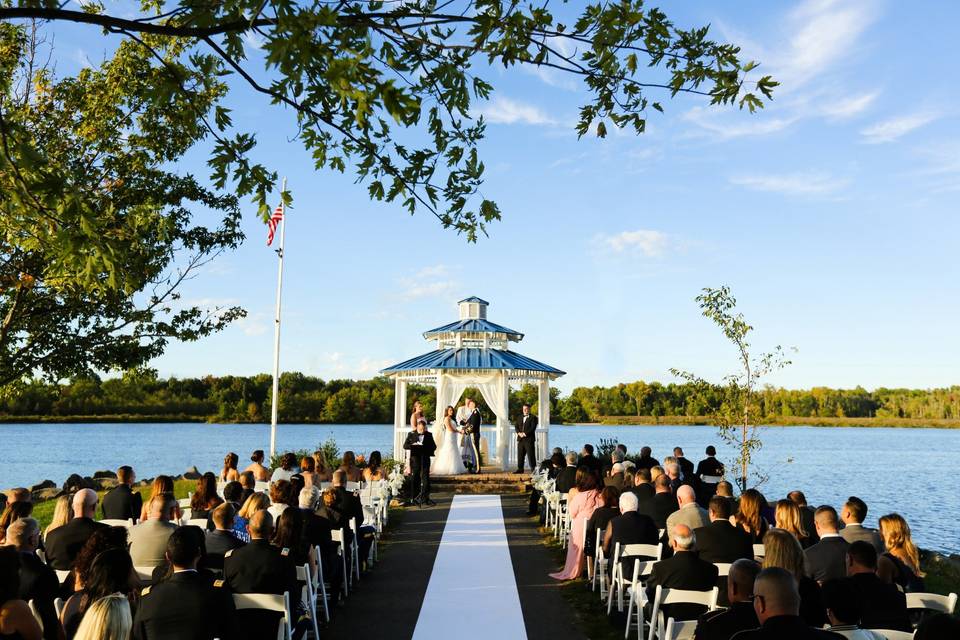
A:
(186, 606)
(567, 478)
(723, 623)
(38, 582)
(472, 423)
(720, 541)
(853, 514)
(122, 502)
(590, 461)
(221, 539)
(64, 543)
(642, 488)
(663, 503)
(260, 567)
(686, 467)
(776, 601)
(826, 560)
(882, 605)
(806, 514)
(527, 439)
(629, 527)
(421, 446)
(684, 570)
(646, 460)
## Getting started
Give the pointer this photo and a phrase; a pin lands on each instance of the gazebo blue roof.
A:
(474, 299)
(474, 325)
(473, 358)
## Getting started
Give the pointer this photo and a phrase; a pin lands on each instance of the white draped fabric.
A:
(449, 389)
(494, 389)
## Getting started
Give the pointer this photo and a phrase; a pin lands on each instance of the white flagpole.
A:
(276, 332)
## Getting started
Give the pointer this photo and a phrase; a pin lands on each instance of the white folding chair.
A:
(723, 568)
(36, 614)
(353, 486)
(599, 566)
(637, 596)
(680, 630)
(185, 502)
(197, 522)
(711, 479)
(617, 579)
(268, 602)
(320, 585)
(58, 606)
(676, 596)
(758, 551)
(325, 485)
(117, 523)
(43, 556)
(933, 602)
(355, 550)
(891, 634)
(62, 575)
(340, 535)
(185, 516)
(144, 573)
(308, 597)
(261, 486)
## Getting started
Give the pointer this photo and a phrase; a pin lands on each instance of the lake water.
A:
(910, 471)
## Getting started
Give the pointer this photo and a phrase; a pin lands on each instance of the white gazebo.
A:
(474, 352)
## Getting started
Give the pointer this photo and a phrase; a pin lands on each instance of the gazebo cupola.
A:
(475, 352)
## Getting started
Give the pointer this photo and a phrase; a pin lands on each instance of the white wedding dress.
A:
(449, 460)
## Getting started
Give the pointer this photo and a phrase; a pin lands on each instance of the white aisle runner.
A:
(472, 591)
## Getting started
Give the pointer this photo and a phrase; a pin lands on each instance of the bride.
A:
(448, 461)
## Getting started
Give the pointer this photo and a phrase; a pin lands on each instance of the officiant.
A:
(421, 445)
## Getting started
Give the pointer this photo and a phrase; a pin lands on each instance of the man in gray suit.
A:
(853, 514)
(148, 540)
(689, 513)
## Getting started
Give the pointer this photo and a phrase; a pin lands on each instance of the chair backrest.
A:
(43, 556)
(36, 614)
(184, 502)
(933, 601)
(117, 523)
(583, 542)
(647, 550)
(642, 568)
(62, 575)
(268, 602)
(197, 522)
(723, 568)
(353, 486)
(687, 596)
(680, 630)
(661, 533)
(711, 479)
(325, 485)
(261, 486)
(598, 545)
(144, 573)
(758, 551)
(891, 634)
(58, 606)
(337, 535)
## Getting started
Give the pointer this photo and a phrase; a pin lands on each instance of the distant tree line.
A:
(305, 398)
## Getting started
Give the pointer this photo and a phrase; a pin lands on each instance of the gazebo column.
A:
(399, 418)
(504, 450)
(543, 413)
(441, 394)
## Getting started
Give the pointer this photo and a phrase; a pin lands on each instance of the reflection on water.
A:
(909, 471)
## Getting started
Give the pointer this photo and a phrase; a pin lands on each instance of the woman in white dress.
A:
(448, 461)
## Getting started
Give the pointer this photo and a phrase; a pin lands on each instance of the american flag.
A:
(273, 222)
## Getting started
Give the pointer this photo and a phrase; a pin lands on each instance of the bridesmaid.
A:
(581, 507)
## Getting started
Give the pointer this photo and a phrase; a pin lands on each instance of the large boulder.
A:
(105, 483)
(104, 474)
(192, 474)
(41, 495)
(76, 482)
(46, 484)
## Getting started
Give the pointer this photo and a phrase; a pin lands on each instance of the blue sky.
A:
(832, 215)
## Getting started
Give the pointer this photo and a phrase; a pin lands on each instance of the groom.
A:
(526, 439)
(473, 422)
(421, 446)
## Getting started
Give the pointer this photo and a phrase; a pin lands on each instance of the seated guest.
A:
(122, 502)
(349, 505)
(655, 472)
(102, 539)
(826, 560)
(720, 541)
(109, 618)
(204, 499)
(567, 478)
(256, 502)
(110, 572)
(590, 461)
(777, 605)
(789, 517)
(249, 485)
(260, 472)
(739, 616)
(279, 497)
(630, 527)
(686, 467)
(555, 464)
(288, 467)
(316, 530)
(260, 567)
(148, 539)
(349, 466)
(38, 582)
(749, 516)
(646, 461)
(900, 564)
(161, 484)
(64, 543)
(323, 468)
(689, 513)
(374, 471)
(62, 514)
(684, 570)
(629, 468)
(882, 605)
(642, 486)
(290, 539)
(296, 486)
(615, 479)
(663, 503)
(187, 605)
(725, 490)
(938, 626)
(853, 514)
(233, 493)
(783, 551)
(229, 472)
(221, 539)
(14, 511)
(673, 472)
(806, 514)
(843, 611)
(16, 619)
(164, 570)
(608, 509)
(308, 471)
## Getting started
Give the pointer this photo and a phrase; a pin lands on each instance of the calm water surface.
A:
(910, 471)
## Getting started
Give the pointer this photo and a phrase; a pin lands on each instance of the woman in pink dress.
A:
(581, 507)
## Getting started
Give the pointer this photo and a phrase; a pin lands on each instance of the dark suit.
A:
(185, 607)
(686, 468)
(644, 493)
(566, 479)
(631, 528)
(64, 543)
(39, 583)
(592, 463)
(121, 503)
(260, 567)
(807, 519)
(616, 481)
(647, 462)
(527, 445)
(882, 605)
(660, 508)
(827, 560)
(854, 532)
(709, 467)
(420, 455)
(723, 623)
(473, 421)
(218, 543)
(720, 541)
(683, 571)
(787, 628)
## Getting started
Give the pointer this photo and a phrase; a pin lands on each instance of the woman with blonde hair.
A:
(748, 517)
(787, 516)
(258, 501)
(323, 470)
(782, 549)
(900, 564)
(161, 485)
(108, 618)
(349, 465)
(62, 514)
(655, 472)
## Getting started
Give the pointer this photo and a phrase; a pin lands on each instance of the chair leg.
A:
(626, 633)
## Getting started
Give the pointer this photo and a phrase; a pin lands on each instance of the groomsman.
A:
(421, 446)
(526, 439)
(473, 421)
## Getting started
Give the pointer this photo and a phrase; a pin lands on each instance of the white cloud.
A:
(718, 123)
(890, 130)
(428, 282)
(502, 110)
(795, 184)
(646, 242)
(850, 106)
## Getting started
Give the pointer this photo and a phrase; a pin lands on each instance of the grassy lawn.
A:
(43, 511)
